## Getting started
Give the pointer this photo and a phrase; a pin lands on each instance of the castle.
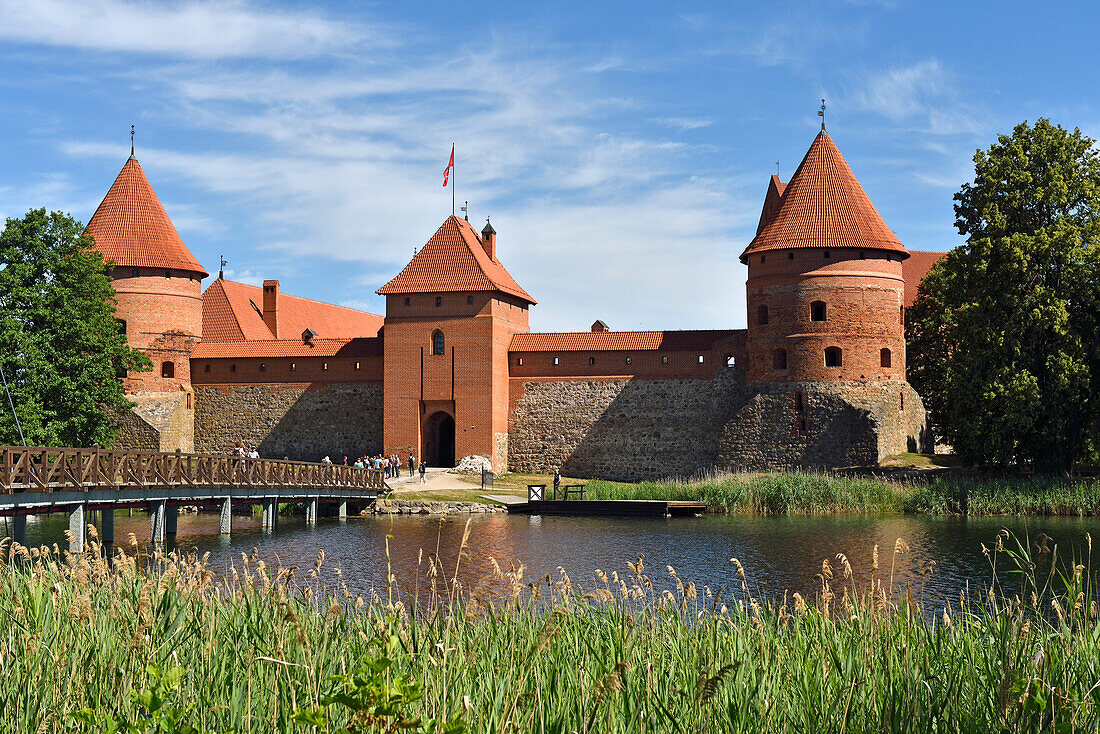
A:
(452, 369)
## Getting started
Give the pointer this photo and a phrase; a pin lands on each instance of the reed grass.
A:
(819, 493)
(88, 641)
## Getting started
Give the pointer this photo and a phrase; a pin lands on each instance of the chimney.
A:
(271, 306)
(489, 240)
(599, 326)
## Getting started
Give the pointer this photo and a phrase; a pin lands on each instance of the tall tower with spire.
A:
(825, 287)
(159, 286)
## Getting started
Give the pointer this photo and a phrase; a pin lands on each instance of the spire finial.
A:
(131, 141)
(821, 114)
(466, 211)
(221, 267)
(777, 168)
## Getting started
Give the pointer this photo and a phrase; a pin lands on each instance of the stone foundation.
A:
(302, 422)
(159, 422)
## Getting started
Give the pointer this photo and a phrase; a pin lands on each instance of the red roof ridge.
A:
(823, 206)
(131, 228)
(454, 259)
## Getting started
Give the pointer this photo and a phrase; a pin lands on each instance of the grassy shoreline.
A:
(819, 493)
(162, 644)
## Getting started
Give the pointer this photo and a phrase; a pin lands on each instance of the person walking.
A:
(423, 471)
(412, 464)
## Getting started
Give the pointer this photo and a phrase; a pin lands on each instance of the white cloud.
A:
(193, 29)
(924, 93)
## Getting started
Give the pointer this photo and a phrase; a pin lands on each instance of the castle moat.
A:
(779, 554)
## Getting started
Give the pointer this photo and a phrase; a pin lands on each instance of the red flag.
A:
(450, 165)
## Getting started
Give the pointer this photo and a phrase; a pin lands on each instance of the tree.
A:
(1005, 329)
(61, 348)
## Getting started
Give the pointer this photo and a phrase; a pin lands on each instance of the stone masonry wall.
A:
(647, 429)
(303, 422)
(621, 429)
(159, 422)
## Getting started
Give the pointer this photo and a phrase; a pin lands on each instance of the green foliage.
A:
(154, 715)
(61, 348)
(1007, 326)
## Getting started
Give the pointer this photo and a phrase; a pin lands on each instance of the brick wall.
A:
(302, 421)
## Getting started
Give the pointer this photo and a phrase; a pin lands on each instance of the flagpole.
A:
(452, 182)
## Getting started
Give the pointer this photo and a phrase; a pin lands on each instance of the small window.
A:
(232, 368)
(293, 366)
(862, 256)
(700, 359)
(901, 316)
(408, 301)
(826, 254)
(136, 272)
(263, 367)
(168, 369)
(469, 300)
(324, 366)
(356, 365)
(790, 256)
(761, 315)
(731, 361)
(884, 357)
(817, 311)
(122, 326)
(834, 357)
(206, 367)
(901, 401)
(779, 359)
(628, 360)
(664, 359)
(799, 402)
(520, 361)
(438, 301)
(556, 361)
(802, 427)
(762, 259)
(167, 273)
(437, 343)
(189, 404)
(591, 360)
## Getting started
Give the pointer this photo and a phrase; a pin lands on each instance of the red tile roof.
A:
(823, 205)
(619, 341)
(771, 202)
(914, 269)
(454, 260)
(362, 347)
(131, 227)
(233, 312)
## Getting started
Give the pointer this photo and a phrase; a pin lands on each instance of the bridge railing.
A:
(46, 469)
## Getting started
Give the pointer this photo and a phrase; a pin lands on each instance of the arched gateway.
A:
(439, 440)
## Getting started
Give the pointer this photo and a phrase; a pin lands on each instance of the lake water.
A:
(779, 553)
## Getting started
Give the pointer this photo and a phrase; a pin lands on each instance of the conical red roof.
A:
(131, 227)
(824, 206)
(454, 259)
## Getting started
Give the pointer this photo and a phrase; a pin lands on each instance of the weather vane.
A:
(131, 140)
(777, 168)
(221, 266)
(466, 210)
(821, 114)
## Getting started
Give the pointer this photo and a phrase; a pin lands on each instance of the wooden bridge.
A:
(39, 480)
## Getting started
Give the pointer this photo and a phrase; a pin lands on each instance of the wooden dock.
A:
(609, 508)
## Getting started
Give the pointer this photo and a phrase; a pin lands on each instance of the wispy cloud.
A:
(923, 92)
(207, 30)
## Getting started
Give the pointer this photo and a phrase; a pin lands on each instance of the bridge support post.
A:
(227, 516)
(156, 520)
(76, 527)
(311, 512)
(271, 510)
(171, 515)
(342, 510)
(107, 525)
(19, 529)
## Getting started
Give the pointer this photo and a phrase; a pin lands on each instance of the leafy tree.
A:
(1006, 327)
(61, 348)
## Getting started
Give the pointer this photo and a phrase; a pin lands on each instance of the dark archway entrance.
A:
(439, 440)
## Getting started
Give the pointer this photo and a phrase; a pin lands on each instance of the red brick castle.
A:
(452, 369)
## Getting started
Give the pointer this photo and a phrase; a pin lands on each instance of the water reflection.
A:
(779, 553)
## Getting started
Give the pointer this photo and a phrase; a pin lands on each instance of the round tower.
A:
(158, 280)
(825, 287)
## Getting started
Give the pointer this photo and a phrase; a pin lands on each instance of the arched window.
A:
(779, 359)
(168, 369)
(884, 357)
(761, 315)
(437, 342)
(817, 311)
(834, 357)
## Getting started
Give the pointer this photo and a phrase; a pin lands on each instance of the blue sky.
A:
(622, 150)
